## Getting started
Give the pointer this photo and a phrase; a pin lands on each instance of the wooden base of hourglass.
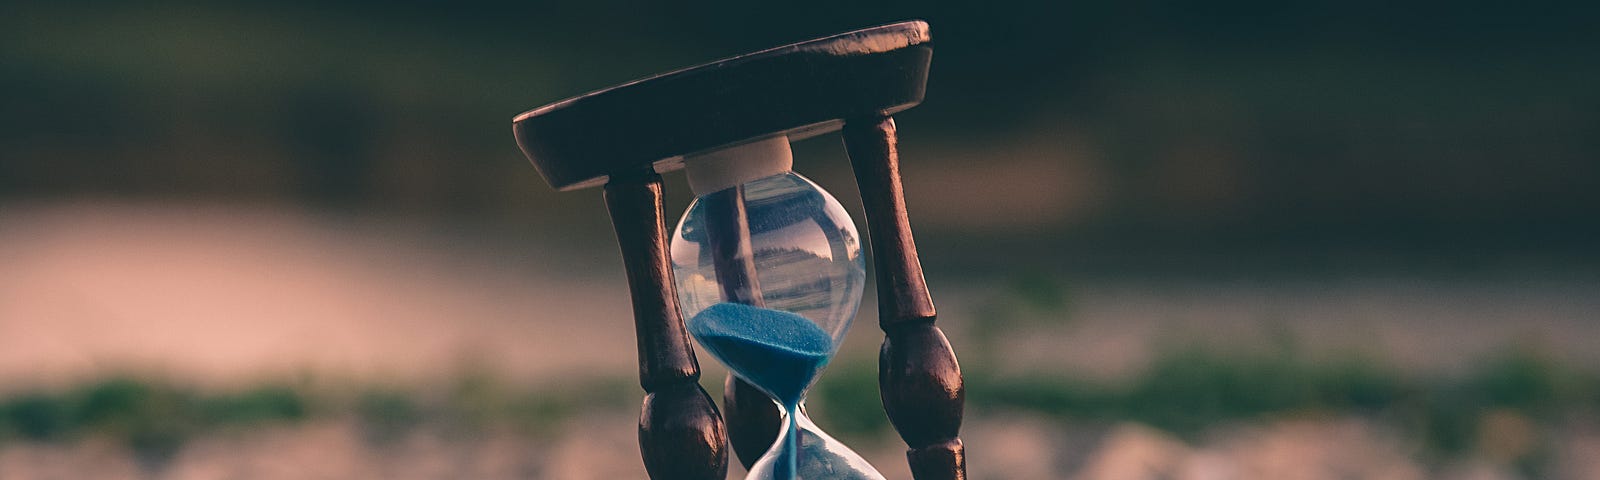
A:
(917, 370)
(681, 434)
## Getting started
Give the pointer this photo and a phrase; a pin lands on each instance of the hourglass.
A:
(769, 271)
(766, 266)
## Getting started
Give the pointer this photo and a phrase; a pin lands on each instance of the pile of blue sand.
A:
(777, 351)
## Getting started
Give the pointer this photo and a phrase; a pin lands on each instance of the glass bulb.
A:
(770, 274)
(818, 457)
(782, 243)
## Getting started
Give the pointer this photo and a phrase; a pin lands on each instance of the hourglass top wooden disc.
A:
(800, 90)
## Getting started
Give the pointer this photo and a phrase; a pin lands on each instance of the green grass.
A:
(1184, 391)
(154, 419)
(1188, 391)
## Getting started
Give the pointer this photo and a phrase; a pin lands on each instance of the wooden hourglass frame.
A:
(624, 136)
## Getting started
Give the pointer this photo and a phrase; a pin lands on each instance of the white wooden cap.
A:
(739, 164)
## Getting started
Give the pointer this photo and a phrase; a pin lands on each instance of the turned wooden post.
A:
(917, 370)
(681, 435)
(753, 419)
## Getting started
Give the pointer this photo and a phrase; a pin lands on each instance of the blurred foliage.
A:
(156, 416)
(1029, 297)
(259, 405)
(37, 417)
(146, 414)
(1184, 390)
(1189, 391)
(386, 416)
(846, 403)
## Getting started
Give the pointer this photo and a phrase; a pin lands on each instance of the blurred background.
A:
(1168, 239)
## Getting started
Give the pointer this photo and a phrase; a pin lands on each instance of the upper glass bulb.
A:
(796, 240)
(769, 274)
(761, 254)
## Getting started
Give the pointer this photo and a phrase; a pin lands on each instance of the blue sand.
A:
(777, 351)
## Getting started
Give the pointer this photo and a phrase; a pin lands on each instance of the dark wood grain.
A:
(753, 419)
(802, 89)
(917, 370)
(681, 434)
(728, 235)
